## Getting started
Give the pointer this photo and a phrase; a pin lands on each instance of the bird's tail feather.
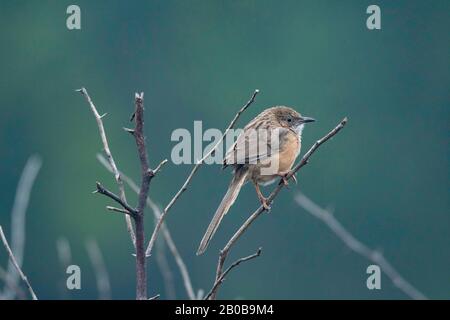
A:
(227, 201)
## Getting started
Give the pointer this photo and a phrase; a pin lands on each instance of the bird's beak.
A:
(307, 119)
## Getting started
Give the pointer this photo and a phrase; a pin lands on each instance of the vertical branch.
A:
(101, 273)
(16, 265)
(110, 158)
(146, 176)
(357, 246)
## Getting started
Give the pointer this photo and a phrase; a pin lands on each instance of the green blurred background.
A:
(386, 175)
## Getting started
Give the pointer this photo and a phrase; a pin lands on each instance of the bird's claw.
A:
(284, 179)
(265, 204)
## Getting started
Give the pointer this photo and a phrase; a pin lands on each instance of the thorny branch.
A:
(224, 253)
(110, 158)
(165, 230)
(147, 175)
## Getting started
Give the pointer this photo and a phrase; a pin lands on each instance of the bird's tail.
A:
(227, 201)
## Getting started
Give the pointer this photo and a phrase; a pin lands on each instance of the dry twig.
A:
(111, 161)
(233, 265)
(16, 265)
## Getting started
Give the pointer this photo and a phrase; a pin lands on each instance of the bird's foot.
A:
(284, 179)
(265, 203)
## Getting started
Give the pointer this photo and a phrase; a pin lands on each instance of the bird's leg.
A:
(284, 180)
(261, 197)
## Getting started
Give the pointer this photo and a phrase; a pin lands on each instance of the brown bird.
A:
(263, 152)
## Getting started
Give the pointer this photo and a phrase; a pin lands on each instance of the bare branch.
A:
(111, 161)
(159, 167)
(18, 215)
(102, 190)
(101, 273)
(146, 177)
(156, 297)
(117, 210)
(165, 230)
(357, 246)
(194, 170)
(224, 253)
(223, 275)
(16, 265)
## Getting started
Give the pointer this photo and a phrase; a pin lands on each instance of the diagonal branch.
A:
(194, 170)
(16, 265)
(111, 161)
(128, 209)
(357, 246)
(224, 253)
(223, 275)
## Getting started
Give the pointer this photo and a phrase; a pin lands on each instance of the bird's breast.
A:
(289, 150)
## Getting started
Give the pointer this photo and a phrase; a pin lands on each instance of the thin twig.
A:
(194, 170)
(18, 215)
(101, 273)
(224, 253)
(111, 161)
(16, 265)
(102, 190)
(156, 297)
(165, 230)
(357, 246)
(233, 265)
(117, 210)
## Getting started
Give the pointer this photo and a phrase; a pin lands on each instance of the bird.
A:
(265, 150)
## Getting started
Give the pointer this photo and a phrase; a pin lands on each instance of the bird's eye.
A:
(289, 120)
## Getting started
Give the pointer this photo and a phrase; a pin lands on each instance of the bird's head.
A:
(289, 118)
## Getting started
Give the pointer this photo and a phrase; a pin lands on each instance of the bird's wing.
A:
(255, 145)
